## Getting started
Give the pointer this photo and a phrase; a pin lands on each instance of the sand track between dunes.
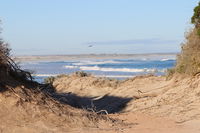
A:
(142, 104)
(177, 99)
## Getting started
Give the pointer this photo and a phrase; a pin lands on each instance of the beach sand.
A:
(91, 56)
(141, 104)
(159, 105)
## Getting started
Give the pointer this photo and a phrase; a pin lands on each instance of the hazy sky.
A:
(109, 26)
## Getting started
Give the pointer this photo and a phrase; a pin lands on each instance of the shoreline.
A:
(26, 58)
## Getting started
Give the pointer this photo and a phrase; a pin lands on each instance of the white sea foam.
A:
(108, 76)
(70, 67)
(167, 59)
(96, 62)
(96, 68)
(44, 75)
(144, 59)
(115, 76)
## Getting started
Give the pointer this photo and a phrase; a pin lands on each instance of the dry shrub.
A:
(170, 73)
(81, 74)
(188, 61)
(49, 80)
(4, 53)
(8, 66)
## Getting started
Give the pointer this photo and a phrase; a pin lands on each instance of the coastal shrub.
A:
(81, 74)
(8, 66)
(188, 61)
(61, 76)
(4, 53)
(170, 73)
(49, 80)
(196, 18)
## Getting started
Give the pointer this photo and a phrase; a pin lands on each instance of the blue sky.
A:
(111, 26)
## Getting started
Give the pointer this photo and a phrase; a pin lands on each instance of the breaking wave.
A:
(96, 68)
(168, 59)
(116, 76)
(71, 67)
(96, 62)
(45, 75)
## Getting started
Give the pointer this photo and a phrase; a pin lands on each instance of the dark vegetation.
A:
(51, 79)
(8, 67)
(196, 18)
(188, 61)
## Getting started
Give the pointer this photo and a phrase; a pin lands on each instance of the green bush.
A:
(196, 19)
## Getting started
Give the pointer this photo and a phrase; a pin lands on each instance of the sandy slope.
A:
(40, 114)
(177, 99)
(142, 104)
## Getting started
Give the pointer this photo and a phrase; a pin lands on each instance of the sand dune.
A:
(142, 104)
(176, 99)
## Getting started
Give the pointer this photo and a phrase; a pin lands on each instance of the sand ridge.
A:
(142, 104)
(176, 99)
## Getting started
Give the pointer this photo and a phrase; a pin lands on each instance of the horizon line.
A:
(101, 54)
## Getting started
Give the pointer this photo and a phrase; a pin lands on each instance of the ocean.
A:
(120, 68)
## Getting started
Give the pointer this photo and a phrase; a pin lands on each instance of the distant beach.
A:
(24, 58)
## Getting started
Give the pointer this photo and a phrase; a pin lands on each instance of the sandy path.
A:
(142, 123)
(164, 106)
(152, 124)
(156, 106)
